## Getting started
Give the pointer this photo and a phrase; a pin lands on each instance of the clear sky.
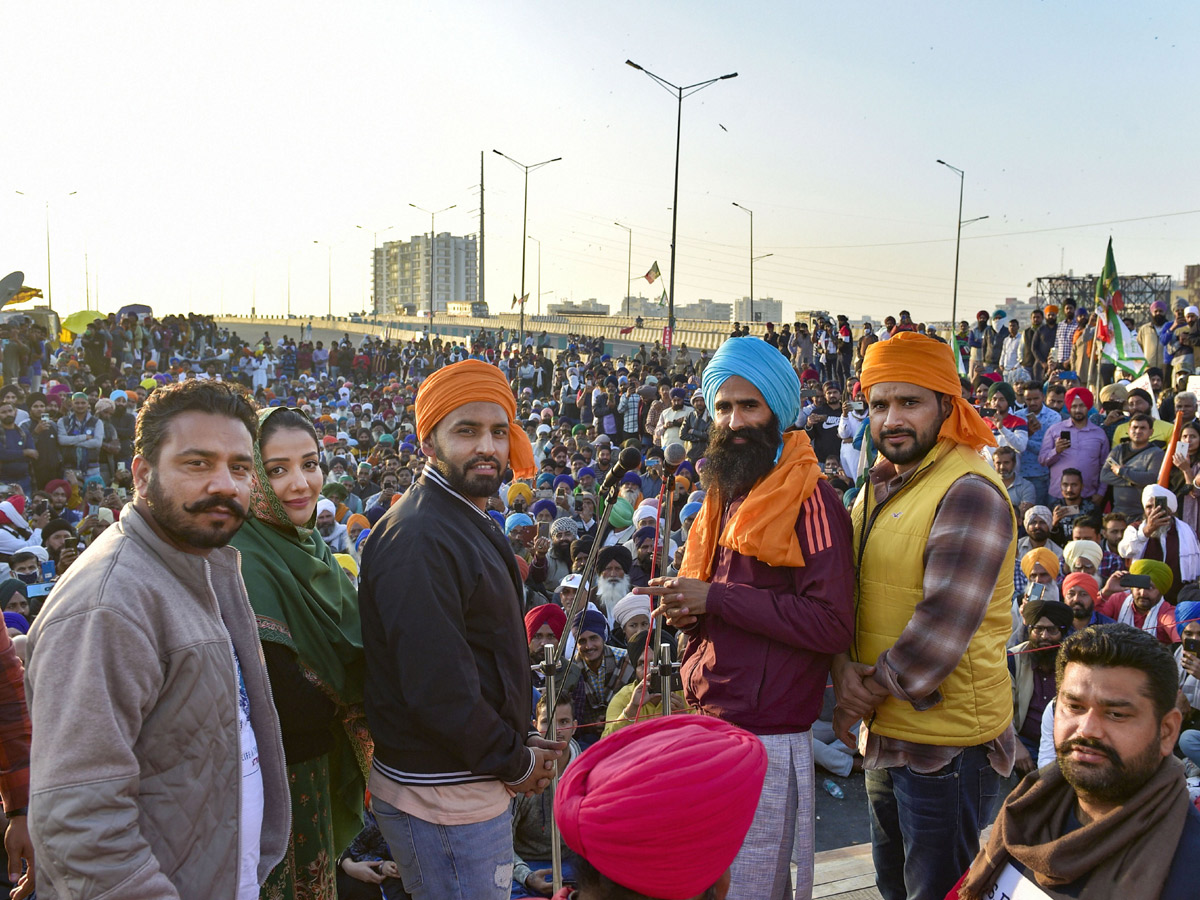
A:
(210, 144)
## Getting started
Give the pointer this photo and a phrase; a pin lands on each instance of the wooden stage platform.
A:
(846, 874)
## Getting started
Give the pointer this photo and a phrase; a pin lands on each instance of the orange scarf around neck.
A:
(764, 526)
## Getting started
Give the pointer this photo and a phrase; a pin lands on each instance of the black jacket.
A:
(448, 692)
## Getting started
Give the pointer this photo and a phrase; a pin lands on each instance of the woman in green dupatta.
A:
(307, 615)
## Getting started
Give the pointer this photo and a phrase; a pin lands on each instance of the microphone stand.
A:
(664, 668)
(553, 661)
(586, 588)
(549, 668)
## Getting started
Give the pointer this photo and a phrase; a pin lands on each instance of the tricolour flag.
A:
(653, 275)
(520, 300)
(662, 301)
(1118, 344)
(956, 345)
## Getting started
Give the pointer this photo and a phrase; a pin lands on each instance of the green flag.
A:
(1118, 345)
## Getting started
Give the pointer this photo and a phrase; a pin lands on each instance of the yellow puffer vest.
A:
(889, 546)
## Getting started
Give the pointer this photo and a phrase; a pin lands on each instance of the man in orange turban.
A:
(935, 537)
(487, 415)
(448, 690)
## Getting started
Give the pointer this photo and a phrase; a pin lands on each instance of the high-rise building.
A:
(402, 271)
(766, 309)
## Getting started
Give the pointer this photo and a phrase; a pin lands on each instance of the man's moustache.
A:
(210, 503)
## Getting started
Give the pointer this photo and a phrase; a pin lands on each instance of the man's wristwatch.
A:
(19, 811)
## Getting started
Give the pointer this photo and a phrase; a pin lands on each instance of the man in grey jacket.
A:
(1131, 465)
(158, 767)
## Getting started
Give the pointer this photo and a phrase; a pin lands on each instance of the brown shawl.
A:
(1126, 853)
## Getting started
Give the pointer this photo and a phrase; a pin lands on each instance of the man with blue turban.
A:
(764, 594)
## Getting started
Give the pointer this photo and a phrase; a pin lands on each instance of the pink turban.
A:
(674, 781)
(540, 615)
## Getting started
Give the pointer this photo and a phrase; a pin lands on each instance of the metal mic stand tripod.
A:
(664, 668)
(549, 668)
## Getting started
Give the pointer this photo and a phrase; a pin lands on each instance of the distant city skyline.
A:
(208, 158)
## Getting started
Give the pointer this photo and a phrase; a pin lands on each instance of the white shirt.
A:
(250, 830)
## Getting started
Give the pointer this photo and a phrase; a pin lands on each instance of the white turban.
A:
(1088, 550)
(629, 606)
(326, 505)
(1150, 491)
(1038, 512)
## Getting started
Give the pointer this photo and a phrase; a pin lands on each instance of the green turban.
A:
(622, 514)
(1159, 572)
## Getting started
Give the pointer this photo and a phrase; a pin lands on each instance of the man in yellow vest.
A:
(934, 542)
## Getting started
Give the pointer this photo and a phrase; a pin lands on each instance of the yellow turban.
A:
(1040, 555)
(470, 381)
(517, 489)
(911, 357)
(1160, 573)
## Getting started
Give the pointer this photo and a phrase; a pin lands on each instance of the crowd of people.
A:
(251, 583)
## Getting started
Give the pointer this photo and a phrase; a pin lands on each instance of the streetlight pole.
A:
(957, 243)
(751, 212)
(680, 94)
(539, 243)
(49, 298)
(382, 257)
(433, 214)
(628, 266)
(958, 240)
(524, 226)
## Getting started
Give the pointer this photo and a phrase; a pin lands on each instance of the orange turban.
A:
(912, 357)
(471, 381)
(1042, 555)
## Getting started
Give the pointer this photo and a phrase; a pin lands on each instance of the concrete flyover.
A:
(696, 335)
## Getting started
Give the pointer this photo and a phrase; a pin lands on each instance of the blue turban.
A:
(118, 395)
(564, 479)
(1187, 611)
(587, 470)
(498, 517)
(547, 505)
(546, 479)
(646, 531)
(764, 367)
(593, 621)
(362, 536)
(689, 510)
(516, 520)
(632, 478)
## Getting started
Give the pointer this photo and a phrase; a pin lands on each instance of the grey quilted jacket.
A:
(136, 765)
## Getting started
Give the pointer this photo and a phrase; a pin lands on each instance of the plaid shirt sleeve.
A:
(14, 728)
(971, 534)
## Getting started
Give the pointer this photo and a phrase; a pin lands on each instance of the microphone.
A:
(629, 459)
(673, 456)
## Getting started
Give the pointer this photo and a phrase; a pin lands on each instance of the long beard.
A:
(608, 594)
(732, 468)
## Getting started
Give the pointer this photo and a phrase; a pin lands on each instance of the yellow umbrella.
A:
(77, 322)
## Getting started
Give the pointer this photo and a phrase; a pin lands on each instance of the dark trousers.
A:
(925, 828)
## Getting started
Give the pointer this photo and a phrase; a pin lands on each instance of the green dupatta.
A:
(303, 600)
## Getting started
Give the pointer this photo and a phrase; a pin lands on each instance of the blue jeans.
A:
(925, 828)
(449, 862)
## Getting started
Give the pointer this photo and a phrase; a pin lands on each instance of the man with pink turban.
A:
(1076, 443)
(660, 809)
